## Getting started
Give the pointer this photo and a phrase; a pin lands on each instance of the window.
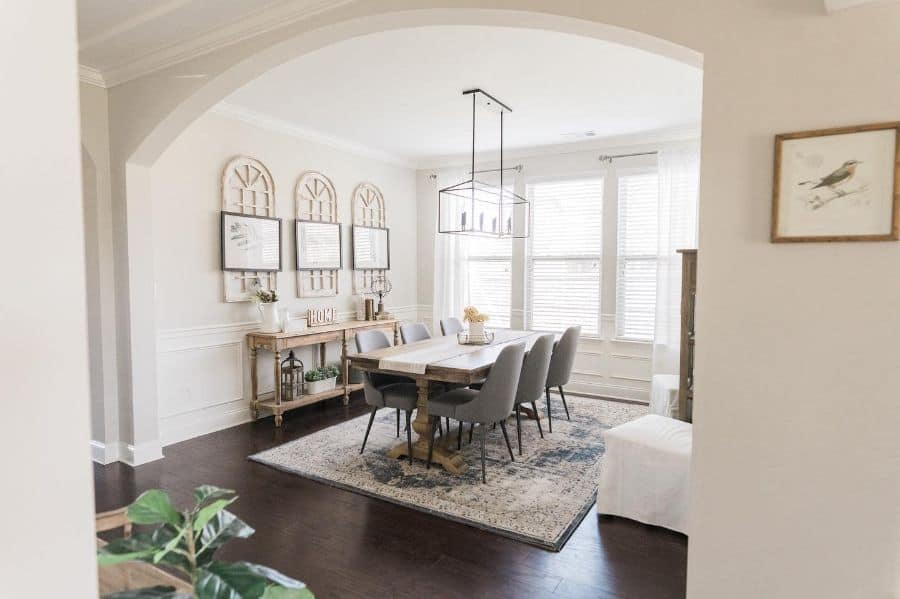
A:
(565, 255)
(636, 263)
(489, 275)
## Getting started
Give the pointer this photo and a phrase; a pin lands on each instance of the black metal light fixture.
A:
(474, 207)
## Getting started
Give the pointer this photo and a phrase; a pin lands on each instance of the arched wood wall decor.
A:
(316, 199)
(368, 211)
(247, 188)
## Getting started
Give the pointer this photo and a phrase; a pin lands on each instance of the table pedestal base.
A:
(450, 459)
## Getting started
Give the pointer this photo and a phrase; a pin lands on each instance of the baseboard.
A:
(143, 453)
(104, 453)
(629, 400)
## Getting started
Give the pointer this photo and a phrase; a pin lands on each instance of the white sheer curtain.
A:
(450, 262)
(679, 177)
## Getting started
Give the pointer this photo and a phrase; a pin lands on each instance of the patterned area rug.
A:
(539, 499)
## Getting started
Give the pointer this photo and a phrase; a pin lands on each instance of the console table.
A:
(278, 342)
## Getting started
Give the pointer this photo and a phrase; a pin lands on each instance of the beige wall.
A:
(201, 354)
(47, 496)
(795, 486)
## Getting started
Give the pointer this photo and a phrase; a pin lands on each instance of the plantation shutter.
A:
(636, 265)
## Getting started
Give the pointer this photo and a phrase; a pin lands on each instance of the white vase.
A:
(313, 387)
(476, 331)
(271, 323)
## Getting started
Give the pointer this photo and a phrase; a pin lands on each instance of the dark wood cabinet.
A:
(688, 304)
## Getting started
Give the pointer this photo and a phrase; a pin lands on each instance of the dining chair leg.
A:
(447, 422)
(409, 436)
(537, 417)
(368, 428)
(519, 428)
(506, 438)
(549, 413)
(431, 428)
(471, 429)
(563, 395)
(483, 435)
(459, 437)
(440, 428)
(398, 422)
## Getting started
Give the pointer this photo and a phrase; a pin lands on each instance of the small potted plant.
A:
(321, 379)
(476, 322)
(267, 304)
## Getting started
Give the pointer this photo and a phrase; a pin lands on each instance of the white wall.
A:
(201, 354)
(47, 496)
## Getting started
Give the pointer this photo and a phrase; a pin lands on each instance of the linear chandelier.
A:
(475, 207)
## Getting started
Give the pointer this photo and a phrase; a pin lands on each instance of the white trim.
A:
(104, 454)
(264, 121)
(196, 423)
(91, 76)
(144, 453)
(246, 27)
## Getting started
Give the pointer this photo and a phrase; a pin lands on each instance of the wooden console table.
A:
(278, 342)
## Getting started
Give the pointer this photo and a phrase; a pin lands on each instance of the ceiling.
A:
(399, 92)
(124, 39)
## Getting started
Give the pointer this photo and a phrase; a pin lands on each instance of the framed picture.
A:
(371, 248)
(318, 245)
(837, 184)
(250, 243)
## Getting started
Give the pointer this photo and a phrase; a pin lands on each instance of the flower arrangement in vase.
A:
(267, 304)
(476, 322)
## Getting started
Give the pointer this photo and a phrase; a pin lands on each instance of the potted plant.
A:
(186, 541)
(476, 322)
(267, 304)
(321, 379)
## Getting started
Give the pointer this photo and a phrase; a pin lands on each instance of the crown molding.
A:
(91, 76)
(251, 25)
(264, 121)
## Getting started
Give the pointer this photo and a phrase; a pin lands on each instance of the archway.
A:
(138, 143)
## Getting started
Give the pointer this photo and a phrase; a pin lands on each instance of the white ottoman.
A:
(646, 472)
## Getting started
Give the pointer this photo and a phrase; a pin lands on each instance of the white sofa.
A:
(646, 472)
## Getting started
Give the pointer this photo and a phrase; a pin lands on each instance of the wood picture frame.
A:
(856, 168)
(382, 259)
(231, 243)
(337, 243)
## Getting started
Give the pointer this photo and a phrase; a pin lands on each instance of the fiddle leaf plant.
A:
(187, 540)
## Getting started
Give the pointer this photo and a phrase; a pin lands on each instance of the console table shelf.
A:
(278, 342)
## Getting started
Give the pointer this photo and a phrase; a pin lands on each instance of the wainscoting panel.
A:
(202, 375)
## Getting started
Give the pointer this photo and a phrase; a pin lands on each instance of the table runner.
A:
(415, 357)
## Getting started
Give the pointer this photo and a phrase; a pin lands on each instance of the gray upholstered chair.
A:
(450, 326)
(411, 332)
(489, 405)
(533, 381)
(384, 390)
(561, 368)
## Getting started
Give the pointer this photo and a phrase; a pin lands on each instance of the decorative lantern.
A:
(291, 378)
(381, 286)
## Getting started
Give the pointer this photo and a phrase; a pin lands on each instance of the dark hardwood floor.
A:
(347, 545)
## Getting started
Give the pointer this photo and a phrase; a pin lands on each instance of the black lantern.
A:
(291, 377)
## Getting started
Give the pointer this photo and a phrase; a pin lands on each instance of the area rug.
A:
(538, 499)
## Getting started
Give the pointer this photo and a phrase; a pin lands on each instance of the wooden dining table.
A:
(431, 362)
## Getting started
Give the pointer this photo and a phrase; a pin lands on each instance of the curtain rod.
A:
(609, 158)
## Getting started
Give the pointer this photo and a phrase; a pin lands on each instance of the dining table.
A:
(432, 364)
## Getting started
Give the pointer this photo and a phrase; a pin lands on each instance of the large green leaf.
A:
(277, 592)
(157, 592)
(161, 537)
(274, 576)
(171, 545)
(205, 494)
(154, 507)
(221, 580)
(139, 547)
(223, 526)
(206, 513)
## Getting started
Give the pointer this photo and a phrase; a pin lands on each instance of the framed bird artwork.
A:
(839, 184)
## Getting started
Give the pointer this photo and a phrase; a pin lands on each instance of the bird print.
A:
(836, 177)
